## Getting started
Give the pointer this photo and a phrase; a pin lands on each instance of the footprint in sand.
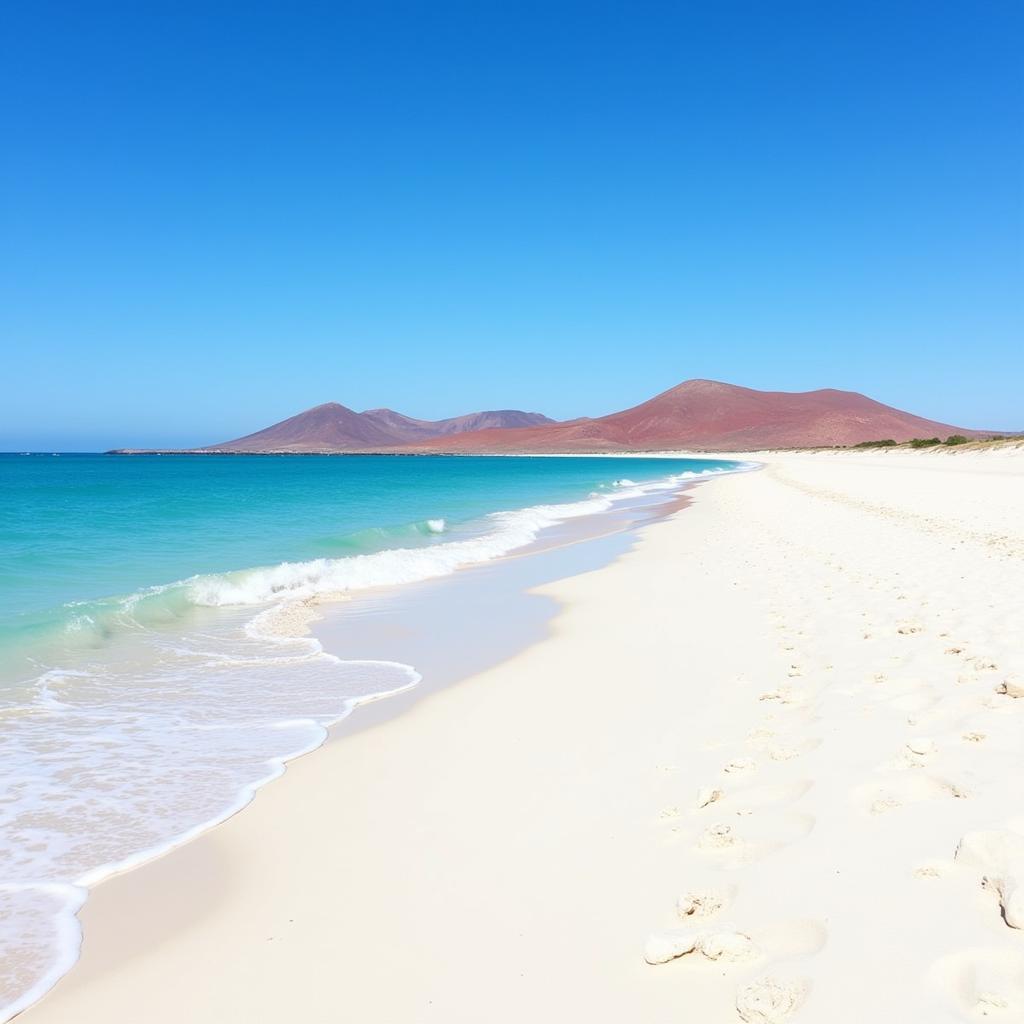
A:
(771, 1000)
(726, 944)
(729, 849)
(888, 794)
(982, 663)
(785, 695)
(998, 857)
(932, 869)
(909, 628)
(750, 798)
(909, 695)
(754, 798)
(1012, 686)
(916, 753)
(983, 984)
(978, 670)
(785, 750)
(670, 944)
(729, 946)
(698, 903)
(719, 836)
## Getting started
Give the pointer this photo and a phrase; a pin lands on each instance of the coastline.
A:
(127, 798)
(524, 831)
(41, 917)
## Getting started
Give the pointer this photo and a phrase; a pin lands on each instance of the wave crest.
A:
(505, 532)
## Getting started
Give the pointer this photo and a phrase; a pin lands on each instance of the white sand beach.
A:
(777, 746)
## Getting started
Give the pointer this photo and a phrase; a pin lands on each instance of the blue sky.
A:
(215, 215)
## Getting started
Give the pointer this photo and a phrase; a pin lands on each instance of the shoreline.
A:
(997, 441)
(589, 532)
(444, 858)
(510, 583)
(549, 559)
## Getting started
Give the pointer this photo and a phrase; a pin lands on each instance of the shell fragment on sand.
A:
(707, 795)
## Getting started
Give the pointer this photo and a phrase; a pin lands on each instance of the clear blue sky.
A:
(214, 215)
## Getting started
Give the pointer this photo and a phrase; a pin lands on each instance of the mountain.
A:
(409, 429)
(333, 427)
(709, 415)
(703, 415)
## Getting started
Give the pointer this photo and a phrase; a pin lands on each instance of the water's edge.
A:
(581, 547)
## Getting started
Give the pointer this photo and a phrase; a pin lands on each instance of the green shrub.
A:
(956, 439)
(887, 443)
(924, 442)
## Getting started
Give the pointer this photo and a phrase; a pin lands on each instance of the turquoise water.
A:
(83, 527)
(155, 662)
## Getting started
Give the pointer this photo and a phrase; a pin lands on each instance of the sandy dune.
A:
(767, 768)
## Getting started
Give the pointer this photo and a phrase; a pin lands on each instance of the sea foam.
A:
(504, 533)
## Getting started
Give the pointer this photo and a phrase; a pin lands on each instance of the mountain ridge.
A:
(712, 415)
(332, 426)
(698, 414)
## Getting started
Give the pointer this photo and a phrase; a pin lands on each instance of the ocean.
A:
(156, 666)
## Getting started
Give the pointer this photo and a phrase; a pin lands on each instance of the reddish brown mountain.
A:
(699, 414)
(708, 415)
(332, 427)
(408, 429)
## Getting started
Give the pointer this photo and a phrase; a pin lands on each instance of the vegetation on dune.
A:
(930, 442)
